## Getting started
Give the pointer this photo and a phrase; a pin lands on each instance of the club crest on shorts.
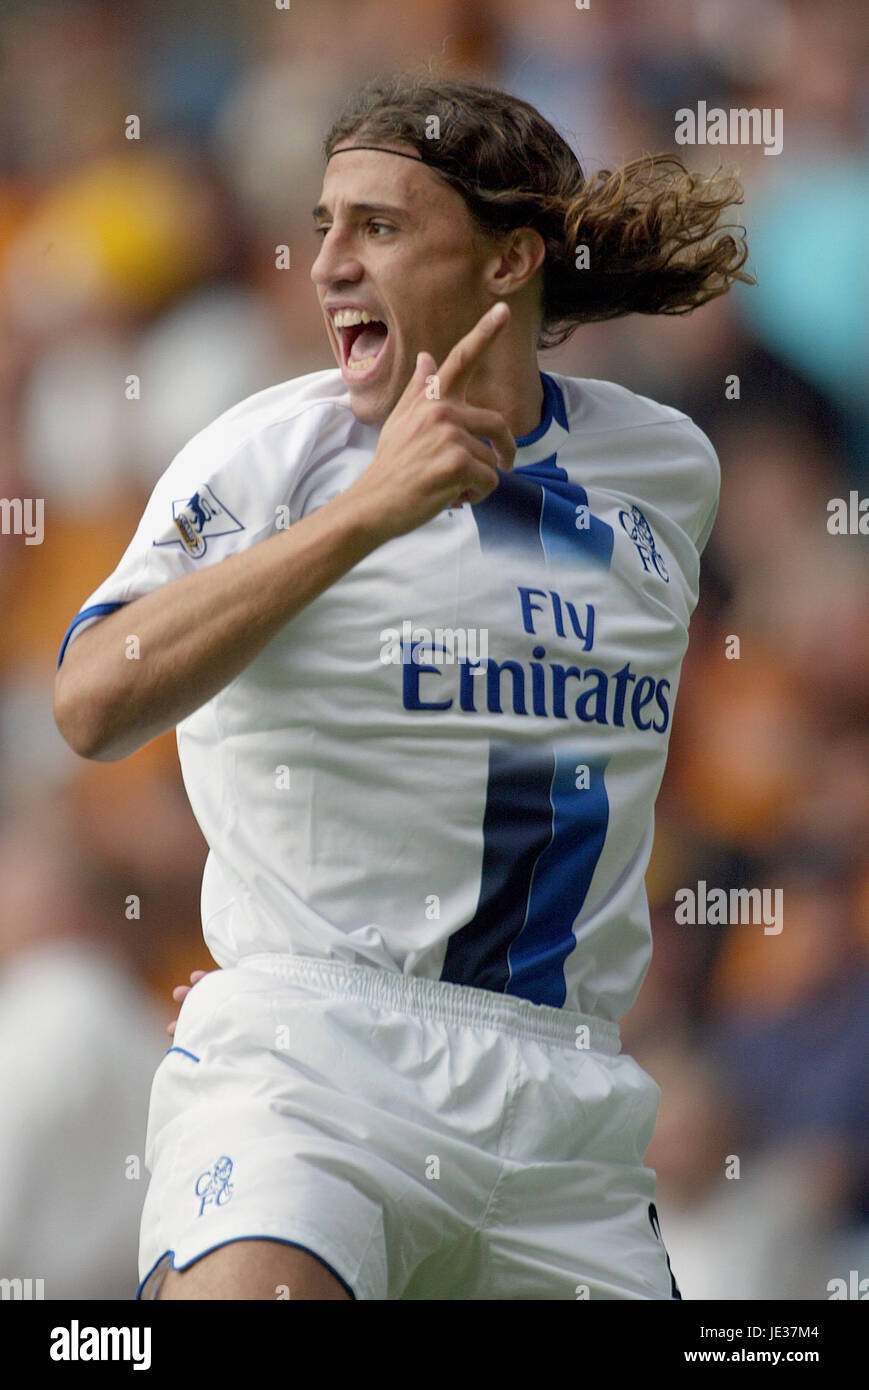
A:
(197, 519)
(637, 528)
(213, 1186)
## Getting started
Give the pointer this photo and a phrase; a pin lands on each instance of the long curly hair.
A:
(651, 231)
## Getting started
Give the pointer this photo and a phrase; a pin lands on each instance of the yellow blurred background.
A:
(154, 258)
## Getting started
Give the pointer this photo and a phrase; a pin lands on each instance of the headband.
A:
(383, 150)
(438, 169)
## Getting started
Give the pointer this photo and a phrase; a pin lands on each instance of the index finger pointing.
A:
(463, 357)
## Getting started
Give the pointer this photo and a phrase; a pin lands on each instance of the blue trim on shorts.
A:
(278, 1240)
(184, 1050)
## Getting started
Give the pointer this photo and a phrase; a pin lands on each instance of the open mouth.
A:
(362, 338)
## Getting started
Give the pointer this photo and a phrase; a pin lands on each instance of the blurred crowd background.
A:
(155, 258)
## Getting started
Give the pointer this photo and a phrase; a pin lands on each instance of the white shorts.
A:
(425, 1140)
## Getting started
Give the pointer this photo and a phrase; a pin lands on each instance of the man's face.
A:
(396, 243)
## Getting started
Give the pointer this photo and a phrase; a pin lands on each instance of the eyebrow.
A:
(321, 211)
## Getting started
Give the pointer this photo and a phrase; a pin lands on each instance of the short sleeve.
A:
(227, 489)
(684, 477)
(710, 470)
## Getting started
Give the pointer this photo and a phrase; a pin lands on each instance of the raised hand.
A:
(431, 453)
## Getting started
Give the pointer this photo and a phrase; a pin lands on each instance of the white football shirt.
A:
(446, 765)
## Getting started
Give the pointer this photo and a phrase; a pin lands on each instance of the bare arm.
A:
(197, 633)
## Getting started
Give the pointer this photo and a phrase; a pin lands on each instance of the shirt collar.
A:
(552, 431)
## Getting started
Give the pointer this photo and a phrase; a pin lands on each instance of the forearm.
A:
(196, 634)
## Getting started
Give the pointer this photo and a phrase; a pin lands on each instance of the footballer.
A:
(419, 621)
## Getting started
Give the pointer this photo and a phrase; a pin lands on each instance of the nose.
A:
(335, 262)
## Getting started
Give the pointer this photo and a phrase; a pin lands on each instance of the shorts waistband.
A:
(451, 1003)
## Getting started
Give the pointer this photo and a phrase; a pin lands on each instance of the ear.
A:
(516, 258)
